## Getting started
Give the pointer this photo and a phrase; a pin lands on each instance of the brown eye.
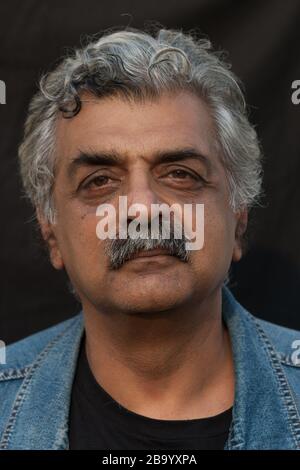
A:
(183, 179)
(96, 182)
(182, 174)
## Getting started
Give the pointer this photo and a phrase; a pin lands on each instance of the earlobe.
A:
(237, 251)
(241, 227)
(55, 257)
(49, 236)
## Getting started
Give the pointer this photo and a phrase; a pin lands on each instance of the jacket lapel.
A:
(40, 416)
(263, 405)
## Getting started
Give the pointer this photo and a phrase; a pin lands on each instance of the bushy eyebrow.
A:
(100, 158)
(84, 159)
(177, 155)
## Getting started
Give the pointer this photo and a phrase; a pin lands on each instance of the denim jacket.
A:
(36, 383)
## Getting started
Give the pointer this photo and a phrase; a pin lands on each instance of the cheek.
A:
(82, 251)
(216, 254)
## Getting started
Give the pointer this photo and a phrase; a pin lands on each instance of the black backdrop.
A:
(263, 41)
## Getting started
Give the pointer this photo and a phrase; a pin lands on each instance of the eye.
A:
(183, 178)
(95, 182)
(101, 183)
(183, 174)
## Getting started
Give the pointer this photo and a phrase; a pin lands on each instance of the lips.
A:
(150, 253)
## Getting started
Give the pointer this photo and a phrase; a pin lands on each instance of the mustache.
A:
(119, 250)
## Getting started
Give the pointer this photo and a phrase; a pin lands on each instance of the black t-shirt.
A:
(98, 422)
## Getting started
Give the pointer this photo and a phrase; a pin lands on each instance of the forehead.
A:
(172, 120)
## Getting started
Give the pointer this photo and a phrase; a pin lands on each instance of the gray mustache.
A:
(121, 250)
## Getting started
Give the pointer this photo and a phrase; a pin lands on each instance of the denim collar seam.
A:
(236, 439)
(287, 361)
(14, 373)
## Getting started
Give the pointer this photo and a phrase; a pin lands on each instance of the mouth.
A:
(151, 253)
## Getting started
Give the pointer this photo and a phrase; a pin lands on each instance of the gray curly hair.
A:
(138, 65)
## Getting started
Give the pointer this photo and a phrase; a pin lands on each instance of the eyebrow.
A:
(92, 159)
(182, 154)
(100, 158)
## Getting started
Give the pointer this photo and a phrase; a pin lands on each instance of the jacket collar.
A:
(39, 419)
(263, 409)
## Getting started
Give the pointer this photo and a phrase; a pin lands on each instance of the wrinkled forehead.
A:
(135, 128)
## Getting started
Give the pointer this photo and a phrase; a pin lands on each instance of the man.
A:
(162, 356)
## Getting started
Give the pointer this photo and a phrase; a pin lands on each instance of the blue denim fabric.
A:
(36, 383)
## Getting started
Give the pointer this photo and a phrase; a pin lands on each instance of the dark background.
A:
(263, 41)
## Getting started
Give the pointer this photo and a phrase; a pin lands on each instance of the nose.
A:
(140, 193)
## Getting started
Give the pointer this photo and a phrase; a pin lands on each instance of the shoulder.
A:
(31, 361)
(281, 342)
(277, 344)
(286, 344)
(22, 354)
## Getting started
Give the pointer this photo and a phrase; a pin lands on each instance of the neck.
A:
(175, 364)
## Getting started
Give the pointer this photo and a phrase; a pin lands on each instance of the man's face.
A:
(140, 135)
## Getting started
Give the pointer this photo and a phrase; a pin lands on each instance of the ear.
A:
(49, 235)
(241, 226)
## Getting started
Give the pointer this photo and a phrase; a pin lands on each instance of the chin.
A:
(147, 296)
(147, 307)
